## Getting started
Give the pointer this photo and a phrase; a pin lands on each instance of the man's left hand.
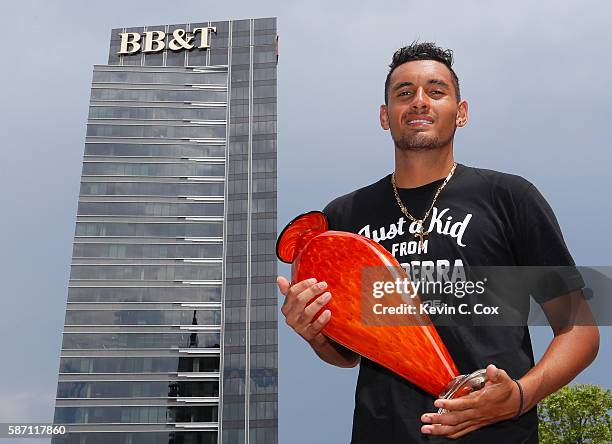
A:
(498, 400)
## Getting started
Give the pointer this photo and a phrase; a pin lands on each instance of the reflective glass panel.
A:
(128, 414)
(79, 341)
(137, 389)
(162, 113)
(108, 250)
(153, 169)
(183, 272)
(143, 317)
(149, 209)
(195, 293)
(144, 364)
(137, 438)
(154, 150)
(173, 78)
(152, 189)
(170, 131)
(193, 229)
(159, 95)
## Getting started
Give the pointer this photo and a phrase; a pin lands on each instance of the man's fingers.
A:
(447, 430)
(291, 294)
(310, 292)
(496, 377)
(298, 313)
(503, 376)
(464, 403)
(316, 326)
(316, 305)
(450, 418)
(493, 373)
(297, 303)
(294, 307)
(283, 285)
(472, 411)
(296, 289)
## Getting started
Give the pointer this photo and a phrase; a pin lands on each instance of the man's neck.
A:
(416, 168)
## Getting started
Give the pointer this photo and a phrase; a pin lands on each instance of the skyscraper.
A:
(171, 331)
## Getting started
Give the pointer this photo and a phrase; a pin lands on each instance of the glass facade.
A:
(170, 333)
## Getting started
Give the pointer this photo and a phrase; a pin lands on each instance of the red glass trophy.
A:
(350, 263)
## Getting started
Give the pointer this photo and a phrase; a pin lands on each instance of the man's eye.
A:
(404, 93)
(437, 92)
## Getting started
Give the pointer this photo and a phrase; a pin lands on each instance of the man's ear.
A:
(462, 114)
(384, 117)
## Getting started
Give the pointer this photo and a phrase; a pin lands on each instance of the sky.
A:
(535, 75)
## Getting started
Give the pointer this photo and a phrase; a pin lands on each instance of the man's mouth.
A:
(420, 121)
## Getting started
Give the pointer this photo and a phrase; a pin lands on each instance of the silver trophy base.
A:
(474, 381)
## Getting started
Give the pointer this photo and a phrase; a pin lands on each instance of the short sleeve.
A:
(332, 216)
(338, 212)
(540, 248)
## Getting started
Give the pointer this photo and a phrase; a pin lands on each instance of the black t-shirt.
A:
(481, 218)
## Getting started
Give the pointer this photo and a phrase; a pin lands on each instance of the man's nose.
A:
(421, 100)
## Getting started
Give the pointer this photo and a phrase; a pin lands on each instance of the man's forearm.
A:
(568, 354)
(333, 353)
(573, 348)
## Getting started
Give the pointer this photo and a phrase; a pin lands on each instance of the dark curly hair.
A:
(422, 51)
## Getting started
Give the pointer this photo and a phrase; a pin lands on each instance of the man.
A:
(450, 215)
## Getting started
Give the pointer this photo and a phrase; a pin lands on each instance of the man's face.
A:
(422, 111)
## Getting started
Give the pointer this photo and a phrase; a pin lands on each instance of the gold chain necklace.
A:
(422, 233)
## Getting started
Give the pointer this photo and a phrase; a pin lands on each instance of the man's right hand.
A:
(302, 302)
(299, 312)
